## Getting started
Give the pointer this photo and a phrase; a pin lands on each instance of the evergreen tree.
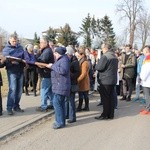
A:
(107, 32)
(93, 27)
(86, 30)
(66, 36)
(36, 39)
(51, 34)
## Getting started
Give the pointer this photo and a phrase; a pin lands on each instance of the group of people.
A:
(134, 73)
(64, 71)
(60, 72)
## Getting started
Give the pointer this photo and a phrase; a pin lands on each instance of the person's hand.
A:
(23, 61)
(49, 65)
(14, 62)
(2, 59)
(123, 66)
(40, 65)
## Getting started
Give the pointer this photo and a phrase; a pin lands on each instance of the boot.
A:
(123, 98)
(128, 98)
(86, 108)
(34, 91)
(26, 91)
(79, 108)
(1, 109)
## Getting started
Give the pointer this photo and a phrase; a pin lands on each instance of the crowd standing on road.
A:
(59, 72)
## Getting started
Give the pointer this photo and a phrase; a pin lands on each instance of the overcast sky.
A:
(29, 16)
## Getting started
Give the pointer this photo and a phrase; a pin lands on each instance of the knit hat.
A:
(70, 50)
(60, 50)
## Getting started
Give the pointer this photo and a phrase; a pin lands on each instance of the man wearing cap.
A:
(60, 75)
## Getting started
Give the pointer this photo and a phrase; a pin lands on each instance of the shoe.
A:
(128, 99)
(18, 110)
(145, 112)
(27, 94)
(101, 118)
(142, 110)
(111, 117)
(50, 107)
(39, 109)
(55, 126)
(86, 109)
(78, 109)
(123, 98)
(135, 99)
(10, 112)
(142, 101)
(71, 121)
(1, 113)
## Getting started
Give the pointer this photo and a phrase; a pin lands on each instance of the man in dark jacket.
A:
(107, 68)
(2, 60)
(60, 85)
(14, 69)
(128, 64)
(45, 56)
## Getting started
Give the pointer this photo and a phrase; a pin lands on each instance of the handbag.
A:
(74, 88)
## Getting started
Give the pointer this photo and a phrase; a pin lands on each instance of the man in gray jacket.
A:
(107, 68)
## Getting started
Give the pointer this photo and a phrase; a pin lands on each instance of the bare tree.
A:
(122, 39)
(3, 33)
(3, 37)
(143, 28)
(130, 10)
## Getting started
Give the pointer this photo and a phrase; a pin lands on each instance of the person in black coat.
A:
(107, 68)
(2, 60)
(1, 108)
(74, 74)
(30, 72)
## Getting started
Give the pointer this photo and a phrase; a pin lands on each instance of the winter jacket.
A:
(74, 70)
(107, 68)
(15, 51)
(145, 72)
(46, 56)
(30, 58)
(139, 63)
(1, 80)
(83, 79)
(130, 64)
(60, 76)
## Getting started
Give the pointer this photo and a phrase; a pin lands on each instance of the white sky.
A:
(29, 16)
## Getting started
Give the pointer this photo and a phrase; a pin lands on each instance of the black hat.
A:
(60, 50)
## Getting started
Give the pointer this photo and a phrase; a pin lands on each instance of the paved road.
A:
(128, 131)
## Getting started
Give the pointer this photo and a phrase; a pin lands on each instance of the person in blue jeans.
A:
(60, 75)
(14, 69)
(140, 60)
(74, 74)
(45, 56)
